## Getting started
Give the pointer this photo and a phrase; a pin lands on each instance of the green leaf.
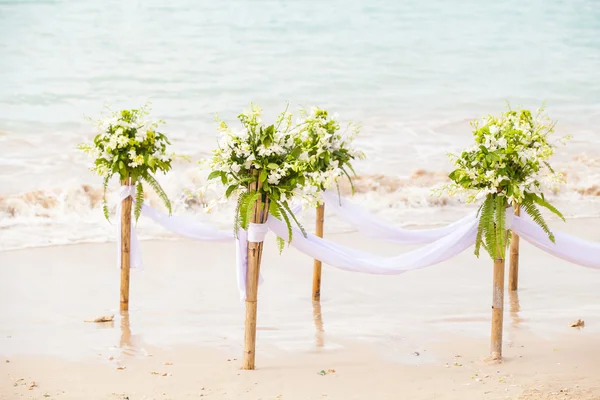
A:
(230, 190)
(289, 210)
(157, 189)
(486, 212)
(263, 175)
(542, 202)
(139, 200)
(530, 208)
(500, 227)
(214, 174)
(272, 166)
(104, 202)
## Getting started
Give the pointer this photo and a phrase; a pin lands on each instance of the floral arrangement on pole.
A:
(508, 165)
(330, 151)
(265, 164)
(130, 146)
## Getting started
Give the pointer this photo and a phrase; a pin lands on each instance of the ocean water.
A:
(412, 73)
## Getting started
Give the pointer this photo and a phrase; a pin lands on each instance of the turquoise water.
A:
(376, 61)
(413, 73)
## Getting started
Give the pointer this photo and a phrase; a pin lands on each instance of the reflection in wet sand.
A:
(318, 318)
(515, 307)
(125, 342)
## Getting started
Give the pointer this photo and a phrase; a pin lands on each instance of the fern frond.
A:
(287, 220)
(530, 208)
(280, 244)
(139, 200)
(237, 222)
(484, 213)
(500, 225)
(247, 208)
(104, 202)
(490, 228)
(289, 210)
(542, 202)
(274, 210)
(158, 189)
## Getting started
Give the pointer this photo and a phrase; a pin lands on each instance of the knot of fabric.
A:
(257, 232)
(126, 191)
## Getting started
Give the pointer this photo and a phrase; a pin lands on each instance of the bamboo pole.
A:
(513, 276)
(254, 257)
(497, 308)
(316, 287)
(125, 246)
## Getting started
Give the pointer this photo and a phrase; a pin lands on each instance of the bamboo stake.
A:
(125, 246)
(259, 215)
(316, 287)
(513, 276)
(497, 308)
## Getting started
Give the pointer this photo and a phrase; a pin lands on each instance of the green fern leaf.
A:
(158, 189)
(485, 213)
(139, 200)
(248, 209)
(489, 229)
(104, 202)
(289, 210)
(237, 224)
(287, 220)
(500, 226)
(280, 244)
(542, 202)
(531, 209)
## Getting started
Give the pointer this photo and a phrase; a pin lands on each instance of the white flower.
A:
(235, 167)
(494, 129)
(112, 143)
(273, 178)
(122, 141)
(248, 163)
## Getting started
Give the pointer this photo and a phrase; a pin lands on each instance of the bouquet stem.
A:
(513, 277)
(259, 216)
(125, 246)
(316, 287)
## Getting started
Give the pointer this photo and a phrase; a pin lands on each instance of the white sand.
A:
(386, 337)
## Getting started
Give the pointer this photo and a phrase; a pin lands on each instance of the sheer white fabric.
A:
(257, 232)
(567, 247)
(185, 226)
(353, 260)
(444, 243)
(372, 226)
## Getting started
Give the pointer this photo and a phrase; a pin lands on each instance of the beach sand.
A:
(420, 335)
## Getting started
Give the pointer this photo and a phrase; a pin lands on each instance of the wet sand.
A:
(421, 335)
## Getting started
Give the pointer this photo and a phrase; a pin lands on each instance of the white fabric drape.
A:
(374, 227)
(357, 261)
(255, 233)
(444, 243)
(565, 246)
(185, 226)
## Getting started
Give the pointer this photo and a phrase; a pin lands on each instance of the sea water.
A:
(413, 74)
